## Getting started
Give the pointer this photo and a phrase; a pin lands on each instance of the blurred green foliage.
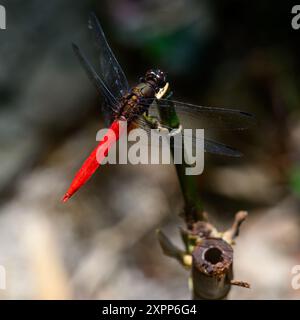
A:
(295, 180)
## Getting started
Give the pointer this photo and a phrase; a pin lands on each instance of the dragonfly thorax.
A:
(131, 104)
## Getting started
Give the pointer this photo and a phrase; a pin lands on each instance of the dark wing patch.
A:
(110, 69)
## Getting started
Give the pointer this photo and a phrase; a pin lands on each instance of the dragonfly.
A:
(138, 104)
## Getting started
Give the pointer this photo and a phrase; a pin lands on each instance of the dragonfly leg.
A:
(152, 121)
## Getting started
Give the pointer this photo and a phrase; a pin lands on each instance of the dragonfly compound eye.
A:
(158, 76)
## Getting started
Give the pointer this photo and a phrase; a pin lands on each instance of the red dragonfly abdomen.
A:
(94, 160)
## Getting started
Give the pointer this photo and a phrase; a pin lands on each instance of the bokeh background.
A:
(102, 243)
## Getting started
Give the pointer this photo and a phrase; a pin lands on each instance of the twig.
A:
(212, 269)
(240, 284)
(172, 251)
(233, 232)
(193, 210)
(208, 253)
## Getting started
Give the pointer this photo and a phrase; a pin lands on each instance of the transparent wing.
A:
(96, 80)
(110, 103)
(194, 116)
(110, 69)
(210, 146)
(214, 147)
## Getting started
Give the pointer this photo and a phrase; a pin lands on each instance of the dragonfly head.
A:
(158, 77)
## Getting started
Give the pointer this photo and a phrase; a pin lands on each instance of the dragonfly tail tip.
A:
(66, 197)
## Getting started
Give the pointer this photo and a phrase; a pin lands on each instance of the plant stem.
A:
(208, 253)
(193, 210)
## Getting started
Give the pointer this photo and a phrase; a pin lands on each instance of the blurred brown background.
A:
(102, 243)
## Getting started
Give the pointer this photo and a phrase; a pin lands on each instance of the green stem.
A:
(193, 206)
